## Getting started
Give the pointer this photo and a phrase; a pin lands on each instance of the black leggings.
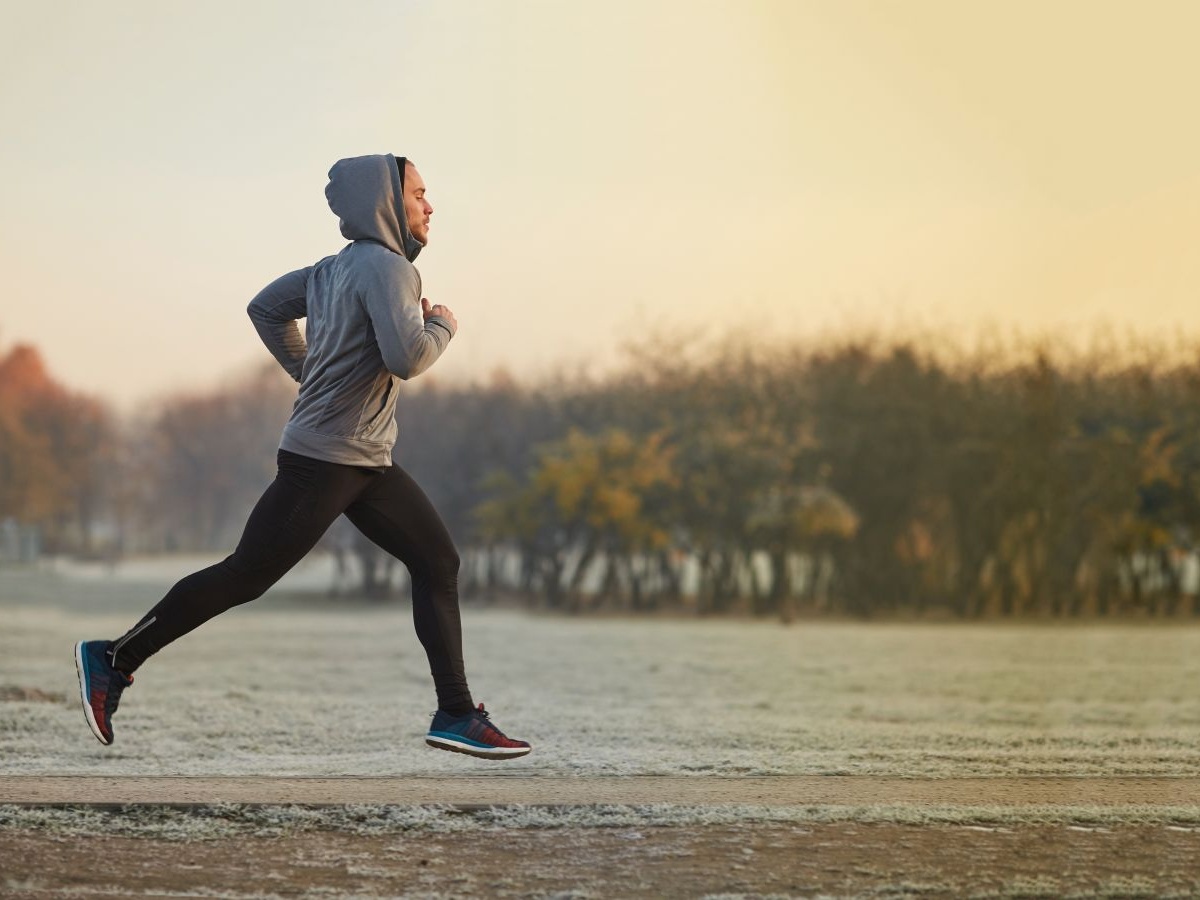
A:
(306, 497)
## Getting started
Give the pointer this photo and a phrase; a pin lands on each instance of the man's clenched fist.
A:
(428, 310)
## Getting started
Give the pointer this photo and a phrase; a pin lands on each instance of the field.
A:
(296, 685)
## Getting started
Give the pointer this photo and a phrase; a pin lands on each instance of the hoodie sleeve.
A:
(409, 344)
(274, 312)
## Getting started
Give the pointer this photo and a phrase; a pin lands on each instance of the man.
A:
(367, 329)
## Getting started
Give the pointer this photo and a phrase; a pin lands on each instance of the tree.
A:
(53, 446)
(589, 499)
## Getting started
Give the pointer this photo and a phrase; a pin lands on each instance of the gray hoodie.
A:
(365, 329)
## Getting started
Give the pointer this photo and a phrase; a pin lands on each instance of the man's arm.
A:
(274, 312)
(408, 341)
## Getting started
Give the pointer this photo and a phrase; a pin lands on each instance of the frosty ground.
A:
(290, 686)
(298, 685)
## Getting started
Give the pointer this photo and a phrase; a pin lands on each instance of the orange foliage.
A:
(50, 444)
(24, 379)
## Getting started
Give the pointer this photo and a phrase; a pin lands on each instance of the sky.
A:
(600, 174)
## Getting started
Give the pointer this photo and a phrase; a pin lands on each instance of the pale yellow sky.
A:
(780, 167)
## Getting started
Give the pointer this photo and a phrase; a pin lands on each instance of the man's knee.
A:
(440, 564)
(446, 561)
(249, 578)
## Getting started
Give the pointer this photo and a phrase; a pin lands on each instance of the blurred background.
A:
(781, 308)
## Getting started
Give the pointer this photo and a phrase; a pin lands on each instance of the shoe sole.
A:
(470, 750)
(85, 695)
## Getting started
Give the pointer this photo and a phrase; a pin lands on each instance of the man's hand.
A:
(428, 310)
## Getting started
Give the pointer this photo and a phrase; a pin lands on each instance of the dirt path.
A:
(1134, 858)
(471, 792)
(832, 860)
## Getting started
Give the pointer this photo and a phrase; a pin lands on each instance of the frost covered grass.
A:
(229, 820)
(284, 687)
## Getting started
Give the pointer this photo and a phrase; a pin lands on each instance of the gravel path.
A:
(835, 860)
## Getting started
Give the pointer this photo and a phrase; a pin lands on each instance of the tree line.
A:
(864, 477)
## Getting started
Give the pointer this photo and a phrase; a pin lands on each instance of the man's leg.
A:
(296, 509)
(395, 514)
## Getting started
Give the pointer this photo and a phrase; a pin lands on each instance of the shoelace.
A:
(483, 714)
(479, 710)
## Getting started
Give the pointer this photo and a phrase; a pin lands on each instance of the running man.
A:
(368, 328)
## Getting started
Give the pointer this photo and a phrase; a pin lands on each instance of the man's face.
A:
(416, 207)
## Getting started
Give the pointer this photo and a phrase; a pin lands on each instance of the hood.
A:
(367, 194)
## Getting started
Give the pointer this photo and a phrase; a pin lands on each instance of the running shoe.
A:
(473, 734)
(100, 687)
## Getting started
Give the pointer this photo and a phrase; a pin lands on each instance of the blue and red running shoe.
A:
(100, 687)
(473, 734)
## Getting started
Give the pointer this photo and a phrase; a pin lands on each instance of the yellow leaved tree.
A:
(591, 508)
